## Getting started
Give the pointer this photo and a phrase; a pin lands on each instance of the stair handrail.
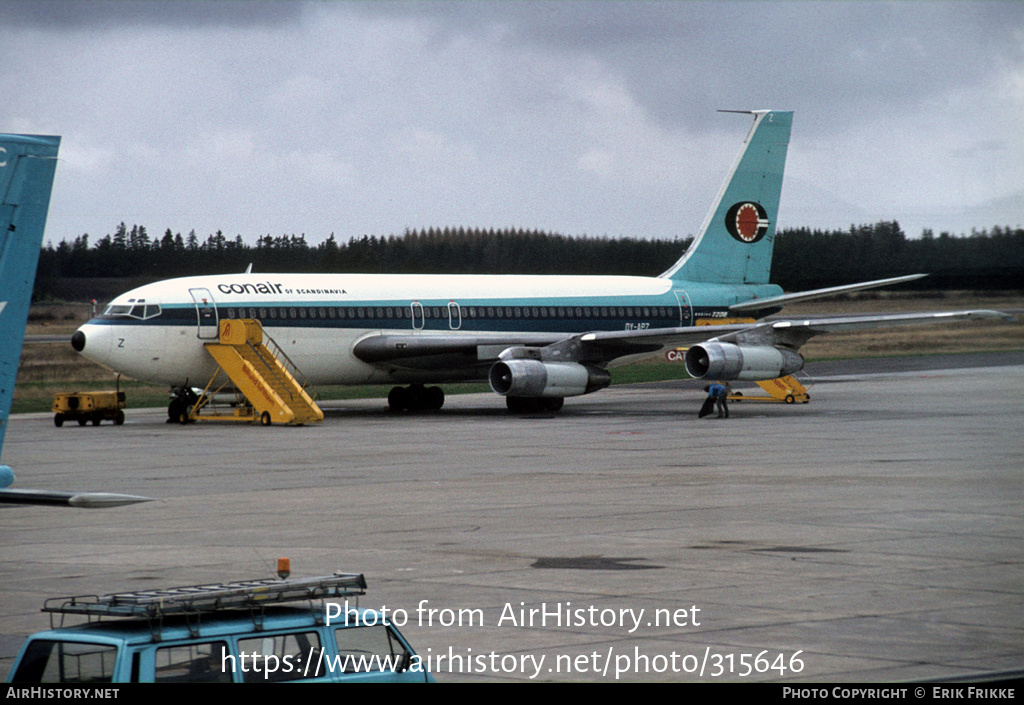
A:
(286, 362)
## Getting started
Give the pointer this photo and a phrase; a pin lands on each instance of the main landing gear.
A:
(526, 405)
(416, 397)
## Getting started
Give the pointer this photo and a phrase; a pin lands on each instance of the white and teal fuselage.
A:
(370, 328)
(157, 332)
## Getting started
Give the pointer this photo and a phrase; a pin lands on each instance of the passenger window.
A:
(363, 649)
(48, 661)
(193, 663)
(279, 658)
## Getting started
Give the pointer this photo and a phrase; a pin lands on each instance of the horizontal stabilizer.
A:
(776, 301)
(82, 500)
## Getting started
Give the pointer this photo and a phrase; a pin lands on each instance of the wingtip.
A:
(104, 500)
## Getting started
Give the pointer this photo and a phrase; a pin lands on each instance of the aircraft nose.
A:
(93, 342)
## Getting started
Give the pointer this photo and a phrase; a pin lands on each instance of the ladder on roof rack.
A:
(196, 599)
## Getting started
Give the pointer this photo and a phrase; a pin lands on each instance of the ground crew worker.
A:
(720, 393)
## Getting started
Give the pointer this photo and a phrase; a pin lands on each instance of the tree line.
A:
(804, 258)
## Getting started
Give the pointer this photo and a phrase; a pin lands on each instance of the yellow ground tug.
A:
(88, 406)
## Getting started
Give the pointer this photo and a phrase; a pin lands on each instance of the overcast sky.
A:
(594, 118)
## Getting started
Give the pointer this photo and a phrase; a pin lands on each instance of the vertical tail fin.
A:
(27, 165)
(736, 241)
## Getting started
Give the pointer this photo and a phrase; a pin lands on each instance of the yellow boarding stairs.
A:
(264, 377)
(786, 389)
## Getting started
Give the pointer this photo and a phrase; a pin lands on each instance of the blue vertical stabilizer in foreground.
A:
(27, 165)
(735, 243)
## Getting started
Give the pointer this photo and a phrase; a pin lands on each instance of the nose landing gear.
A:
(182, 401)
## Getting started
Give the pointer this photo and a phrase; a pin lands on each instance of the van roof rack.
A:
(197, 599)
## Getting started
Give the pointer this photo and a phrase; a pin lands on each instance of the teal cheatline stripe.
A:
(736, 241)
(27, 164)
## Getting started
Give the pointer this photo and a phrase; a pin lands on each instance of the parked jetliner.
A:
(536, 339)
(27, 166)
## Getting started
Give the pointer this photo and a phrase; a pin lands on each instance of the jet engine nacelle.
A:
(533, 378)
(726, 361)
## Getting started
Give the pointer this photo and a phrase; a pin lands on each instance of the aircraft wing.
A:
(767, 350)
(474, 355)
(436, 352)
(790, 333)
(431, 352)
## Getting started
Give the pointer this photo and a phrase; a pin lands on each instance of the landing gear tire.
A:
(398, 399)
(416, 397)
(181, 403)
(552, 403)
(433, 398)
(526, 405)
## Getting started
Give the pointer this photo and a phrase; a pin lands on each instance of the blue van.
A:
(246, 632)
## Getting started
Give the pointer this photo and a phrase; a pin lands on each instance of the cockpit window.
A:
(134, 308)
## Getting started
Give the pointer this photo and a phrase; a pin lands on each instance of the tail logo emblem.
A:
(747, 222)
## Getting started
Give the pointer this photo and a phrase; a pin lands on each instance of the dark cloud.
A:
(682, 59)
(72, 14)
(591, 117)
